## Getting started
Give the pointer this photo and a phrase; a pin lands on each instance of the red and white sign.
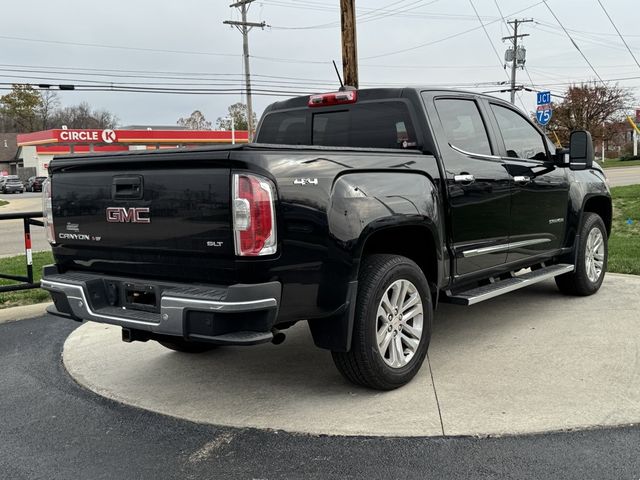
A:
(104, 136)
(111, 139)
(108, 136)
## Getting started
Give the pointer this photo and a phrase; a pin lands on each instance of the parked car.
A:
(11, 184)
(34, 184)
(357, 211)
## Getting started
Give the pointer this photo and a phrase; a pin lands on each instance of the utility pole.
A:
(349, 43)
(245, 27)
(516, 55)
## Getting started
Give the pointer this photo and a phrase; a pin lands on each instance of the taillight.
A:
(254, 220)
(47, 212)
(335, 98)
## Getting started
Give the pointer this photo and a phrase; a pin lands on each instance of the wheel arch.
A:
(414, 241)
(600, 205)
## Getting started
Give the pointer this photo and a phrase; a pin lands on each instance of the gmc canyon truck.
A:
(357, 211)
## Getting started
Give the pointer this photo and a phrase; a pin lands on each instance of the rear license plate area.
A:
(141, 297)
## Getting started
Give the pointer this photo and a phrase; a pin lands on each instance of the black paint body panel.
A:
(322, 227)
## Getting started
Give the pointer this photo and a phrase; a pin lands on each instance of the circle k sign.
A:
(108, 136)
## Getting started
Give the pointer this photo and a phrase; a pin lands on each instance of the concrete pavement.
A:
(620, 176)
(52, 428)
(530, 361)
(20, 313)
(12, 231)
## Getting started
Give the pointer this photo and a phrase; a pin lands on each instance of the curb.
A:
(14, 314)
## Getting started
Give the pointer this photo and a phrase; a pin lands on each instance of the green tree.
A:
(237, 111)
(21, 108)
(196, 121)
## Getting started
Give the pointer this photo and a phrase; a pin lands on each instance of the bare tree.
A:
(83, 116)
(196, 121)
(592, 107)
(49, 103)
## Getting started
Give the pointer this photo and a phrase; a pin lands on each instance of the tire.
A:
(183, 346)
(386, 368)
(591, 259)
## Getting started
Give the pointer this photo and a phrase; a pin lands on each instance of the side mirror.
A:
(581, 154)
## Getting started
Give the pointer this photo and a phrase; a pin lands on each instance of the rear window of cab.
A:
(368, 125)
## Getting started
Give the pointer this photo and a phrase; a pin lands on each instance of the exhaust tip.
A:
(278, 336)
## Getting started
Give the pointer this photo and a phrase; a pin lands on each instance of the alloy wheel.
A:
(399, 326)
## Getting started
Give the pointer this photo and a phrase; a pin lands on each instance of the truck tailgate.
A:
(144, 208)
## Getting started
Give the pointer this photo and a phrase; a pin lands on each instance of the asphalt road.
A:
(50, 428)
(623, 176)
(12, 231)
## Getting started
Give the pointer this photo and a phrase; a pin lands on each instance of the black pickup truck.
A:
(357, 211)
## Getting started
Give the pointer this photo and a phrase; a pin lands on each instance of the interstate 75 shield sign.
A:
(543, 112)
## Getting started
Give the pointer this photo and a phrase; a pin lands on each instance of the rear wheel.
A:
(591, 259)
(184, 346)
(392, 325)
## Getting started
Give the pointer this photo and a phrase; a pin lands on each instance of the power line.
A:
(586, 37)
(119, 47)
(619, 34)
(365, 11)
(449, 37)
(494, 49)
(573, 41)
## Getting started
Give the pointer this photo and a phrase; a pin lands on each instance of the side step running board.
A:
(485, 292)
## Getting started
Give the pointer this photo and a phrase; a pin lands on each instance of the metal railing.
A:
(28, 219)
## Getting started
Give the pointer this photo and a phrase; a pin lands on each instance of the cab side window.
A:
(521, 139)
(463, 125)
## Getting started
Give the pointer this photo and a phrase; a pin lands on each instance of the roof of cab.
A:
(369, 94)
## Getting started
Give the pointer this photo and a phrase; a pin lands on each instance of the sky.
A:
(152, 43)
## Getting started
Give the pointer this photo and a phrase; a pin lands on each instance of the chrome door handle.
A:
(521, 179)
(465, 178)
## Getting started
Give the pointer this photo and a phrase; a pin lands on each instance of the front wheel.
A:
(392, 325)
(591, 259)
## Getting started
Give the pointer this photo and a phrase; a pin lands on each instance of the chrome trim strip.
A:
(505, 246)
(220, 306)
(475, 155)
(84, 310)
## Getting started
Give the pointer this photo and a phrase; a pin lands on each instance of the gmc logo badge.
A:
(128, 215)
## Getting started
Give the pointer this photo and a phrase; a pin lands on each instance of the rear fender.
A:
(363, 203)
